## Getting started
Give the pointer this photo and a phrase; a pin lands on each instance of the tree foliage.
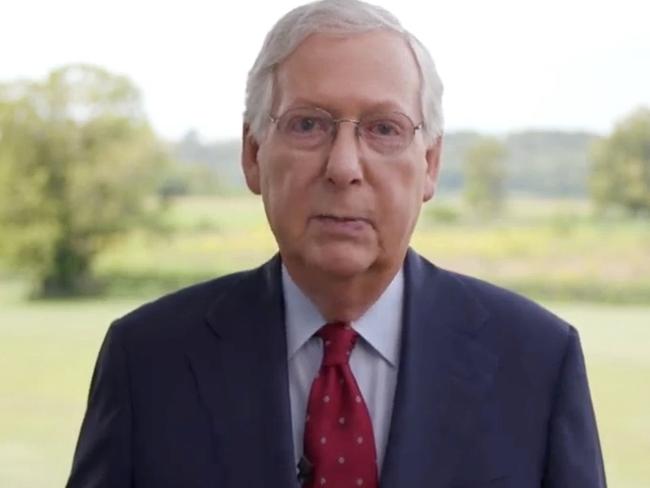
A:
(485, 176)
(78, 166)
(620, 175)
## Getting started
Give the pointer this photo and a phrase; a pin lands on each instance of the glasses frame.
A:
(335, 123)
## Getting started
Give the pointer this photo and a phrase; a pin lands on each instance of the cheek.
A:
(399, 199)
(275, 169)
(285, 181)
(403, 184)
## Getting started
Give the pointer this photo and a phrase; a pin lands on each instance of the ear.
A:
(432, 157)
(249, 163)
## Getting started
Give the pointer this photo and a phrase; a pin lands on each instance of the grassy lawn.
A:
(616, 342)
(47, 351)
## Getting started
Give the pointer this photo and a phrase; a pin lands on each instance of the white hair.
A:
(340, 17)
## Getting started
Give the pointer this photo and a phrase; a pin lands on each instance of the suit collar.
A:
(444, 375)
(252, 295)
(239, 362)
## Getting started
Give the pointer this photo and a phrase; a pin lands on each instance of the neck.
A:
(342, 298)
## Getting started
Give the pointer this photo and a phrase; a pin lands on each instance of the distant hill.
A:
(221, 157)
(545, 163)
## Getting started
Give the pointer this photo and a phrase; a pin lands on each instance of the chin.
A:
(341, 260)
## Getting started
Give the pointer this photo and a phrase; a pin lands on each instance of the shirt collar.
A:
(380, 326)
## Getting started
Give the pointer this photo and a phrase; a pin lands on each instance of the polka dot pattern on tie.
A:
(338, 440)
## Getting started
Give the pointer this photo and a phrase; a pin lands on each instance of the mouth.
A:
(346, 225)
(343, 218)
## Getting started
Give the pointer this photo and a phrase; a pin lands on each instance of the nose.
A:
(343, 166)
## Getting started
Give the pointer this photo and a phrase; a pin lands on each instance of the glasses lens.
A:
(387, 133)
(305, 128)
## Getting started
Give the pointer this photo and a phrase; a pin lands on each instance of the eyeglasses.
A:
(312, 128)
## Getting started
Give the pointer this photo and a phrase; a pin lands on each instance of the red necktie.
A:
(339, 441)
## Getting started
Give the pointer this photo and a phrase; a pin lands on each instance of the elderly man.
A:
(347, 360)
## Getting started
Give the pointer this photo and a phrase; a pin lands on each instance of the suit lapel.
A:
(443, 376)
(239, 360)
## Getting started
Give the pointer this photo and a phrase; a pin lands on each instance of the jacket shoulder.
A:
(172, 315)
(514, 322)
(501, 302)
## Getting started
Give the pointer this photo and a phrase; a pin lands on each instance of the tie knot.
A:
(338, 340)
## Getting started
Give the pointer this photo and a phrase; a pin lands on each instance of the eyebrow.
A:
(373, 107)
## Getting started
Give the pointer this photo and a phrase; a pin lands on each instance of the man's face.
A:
(342, 208)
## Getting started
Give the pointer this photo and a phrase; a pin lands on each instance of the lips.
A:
(342, 225)
(343, 219)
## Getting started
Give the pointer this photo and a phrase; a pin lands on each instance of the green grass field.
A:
(555, 252)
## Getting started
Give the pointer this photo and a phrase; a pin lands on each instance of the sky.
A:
(506, 64)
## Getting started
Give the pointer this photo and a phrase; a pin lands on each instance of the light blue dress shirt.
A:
(374, 360)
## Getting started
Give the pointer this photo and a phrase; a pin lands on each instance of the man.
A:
(347, 360)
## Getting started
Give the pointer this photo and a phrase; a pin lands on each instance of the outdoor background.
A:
(120, 181)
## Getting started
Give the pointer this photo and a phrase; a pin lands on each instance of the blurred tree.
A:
(485, 176)
(620, 172)
(184, 179)
(209, 168)
(78, 166)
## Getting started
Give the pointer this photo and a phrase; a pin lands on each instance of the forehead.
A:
(350, 75)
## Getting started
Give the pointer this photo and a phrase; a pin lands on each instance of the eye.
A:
(302, 125)
(305, 128)
(383, 128)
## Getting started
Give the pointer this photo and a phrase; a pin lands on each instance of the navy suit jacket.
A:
(192, 391)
